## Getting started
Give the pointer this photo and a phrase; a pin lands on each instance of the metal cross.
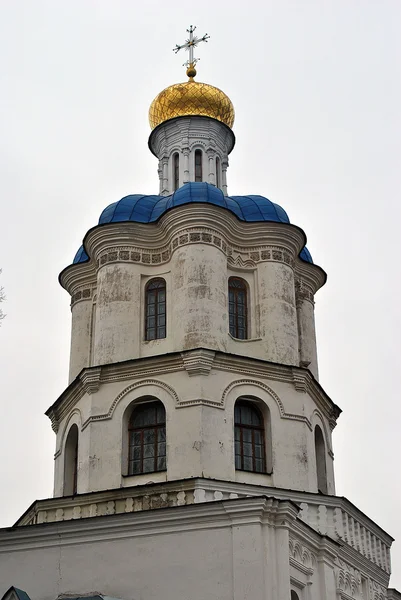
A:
(190, 44)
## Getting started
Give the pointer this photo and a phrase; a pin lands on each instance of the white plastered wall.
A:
(200, 435)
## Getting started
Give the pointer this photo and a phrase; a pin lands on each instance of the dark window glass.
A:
(217, 172)
(198, 165)
(176, 171)
(294, 595)
(237, 308)
(249, 438)
(147, 439)
(155, 310)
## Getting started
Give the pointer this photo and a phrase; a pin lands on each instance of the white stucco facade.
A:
(232, 509)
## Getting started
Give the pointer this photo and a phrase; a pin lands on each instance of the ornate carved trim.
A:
(83, 293)
(133, 386)
(377, 591)
(198, 402)
(303, 291)
(348, 581)
(301, 557)
(244, 257)
(266, 388)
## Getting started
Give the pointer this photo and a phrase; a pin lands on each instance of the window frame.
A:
(176, 171)
(218, 185)
(198, 153)
(261, 428)
(153, 404)
(234, 331)
(320, 460)
(70, 472)
(157, 304)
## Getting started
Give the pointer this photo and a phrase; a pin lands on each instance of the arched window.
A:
(320, 452)
(294, 595)
(147, 439)
(217, 172)
(249, 436)
(237, 308)
(155, 309)
(71, 462)
(198, 165)
(176, 170)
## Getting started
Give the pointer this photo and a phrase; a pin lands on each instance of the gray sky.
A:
(317, 93)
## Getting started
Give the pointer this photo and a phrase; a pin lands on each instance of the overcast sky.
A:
(316, 88)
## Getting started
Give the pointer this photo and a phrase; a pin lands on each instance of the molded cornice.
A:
(154, 243)
(196, 362)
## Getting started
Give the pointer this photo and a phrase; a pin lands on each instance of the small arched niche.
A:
(294, 595)
(252, 435)
(71, 462)
(320, 453)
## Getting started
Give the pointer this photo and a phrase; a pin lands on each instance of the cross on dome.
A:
(189, 46)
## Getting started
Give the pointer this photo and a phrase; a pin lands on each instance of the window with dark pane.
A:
(198, 165)
(147, 439)
(155, 309)
(217, 172)
(176, 171)
(249, 438)
(237, 308)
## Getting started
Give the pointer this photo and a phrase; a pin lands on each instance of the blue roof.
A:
(148, 209)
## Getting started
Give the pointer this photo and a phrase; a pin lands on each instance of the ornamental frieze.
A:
(236, 255)
(85, 293)
(303, 292)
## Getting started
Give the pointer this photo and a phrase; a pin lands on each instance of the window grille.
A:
(217, 172)
(237, 308)
(249, 438)
(198, 165)
(155, 309)
(147, 439)
(176, 171)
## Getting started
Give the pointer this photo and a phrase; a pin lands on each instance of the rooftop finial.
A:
(189, 45)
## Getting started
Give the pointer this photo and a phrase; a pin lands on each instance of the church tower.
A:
(194, 440)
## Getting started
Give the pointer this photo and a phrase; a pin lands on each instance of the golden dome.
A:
(191, 98)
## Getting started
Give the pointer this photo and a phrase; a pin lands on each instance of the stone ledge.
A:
(330, 516)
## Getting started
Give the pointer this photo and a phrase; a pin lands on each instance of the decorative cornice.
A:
(198, 362)
(90, 379)
(153, 241)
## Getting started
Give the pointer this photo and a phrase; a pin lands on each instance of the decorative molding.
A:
(301, 557)
(348, 581)
(130, 388)
(300, 380)
(149, 367)
(242, 256)
(91, 379)
(241, 263)
(198, 362)
(83, 294)
(377, 591)
(198, 402)
(303, 291)
(268, 390)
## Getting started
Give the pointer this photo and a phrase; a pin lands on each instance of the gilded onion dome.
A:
(191, 98)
